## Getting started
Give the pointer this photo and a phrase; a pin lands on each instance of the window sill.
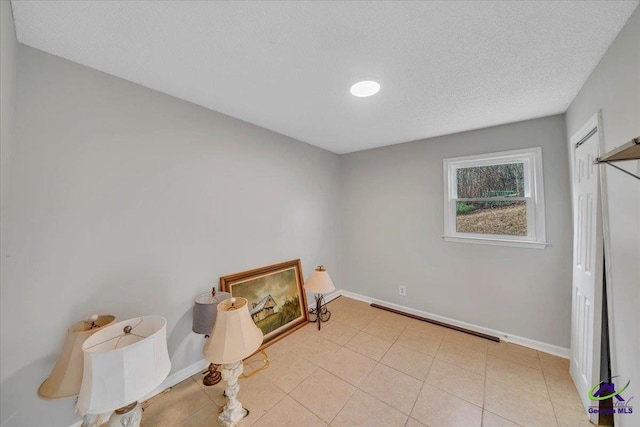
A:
(498, 242)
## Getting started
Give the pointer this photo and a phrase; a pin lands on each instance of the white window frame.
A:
(533, 191)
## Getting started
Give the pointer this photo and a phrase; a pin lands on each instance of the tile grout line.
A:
(503, 417)
(182, 420)
(384, 403)
(553, 408)
(267, 411)
(347, 401)
(425, 381)
(418, 397)
(379, 362)
(357, 387)
(302, 404)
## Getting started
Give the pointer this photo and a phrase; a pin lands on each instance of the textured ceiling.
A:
(444, 67)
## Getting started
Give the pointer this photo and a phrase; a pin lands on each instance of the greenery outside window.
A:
(495, 198)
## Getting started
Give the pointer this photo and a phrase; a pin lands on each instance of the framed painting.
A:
(277, 300)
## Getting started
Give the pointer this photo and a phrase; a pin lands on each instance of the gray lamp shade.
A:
(205, 311)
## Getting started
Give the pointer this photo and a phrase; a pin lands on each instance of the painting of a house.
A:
(263, 308)
(277, 301)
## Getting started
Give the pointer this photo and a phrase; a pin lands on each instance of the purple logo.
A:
(607, 390)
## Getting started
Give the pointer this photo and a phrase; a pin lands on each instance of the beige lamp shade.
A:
(320, 282)
(66, 376)
(235, 336)
(122, 367)
(205, 310)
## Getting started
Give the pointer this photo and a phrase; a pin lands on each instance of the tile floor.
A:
(370, 367)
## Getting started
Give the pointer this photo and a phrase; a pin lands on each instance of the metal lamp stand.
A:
(320, 313)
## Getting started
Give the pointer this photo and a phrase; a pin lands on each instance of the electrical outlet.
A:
(402, 290)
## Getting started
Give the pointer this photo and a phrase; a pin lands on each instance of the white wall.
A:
(393, 227)
(614, 88)
(131, 202)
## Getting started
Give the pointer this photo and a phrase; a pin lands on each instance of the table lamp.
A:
(66, 376)
(123, 363)
(320, 283)
(205, 310)
(234, 337)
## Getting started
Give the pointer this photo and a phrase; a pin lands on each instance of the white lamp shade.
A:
(120, 368)
(320, 282)
(234, 336)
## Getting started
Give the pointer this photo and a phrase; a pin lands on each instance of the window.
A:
(495, 199)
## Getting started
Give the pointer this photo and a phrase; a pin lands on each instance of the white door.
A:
(588, 261)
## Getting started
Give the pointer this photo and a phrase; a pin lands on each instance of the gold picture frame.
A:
(277, 300)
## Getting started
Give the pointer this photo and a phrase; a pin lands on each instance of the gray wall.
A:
(8, 48)
(614, 88)
(393, 227)
(8, 53)
(131, 202)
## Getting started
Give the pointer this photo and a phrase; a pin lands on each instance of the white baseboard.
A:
(333, 295)
(178, 377)
(311, 302)
(504, 336)
(359, 297)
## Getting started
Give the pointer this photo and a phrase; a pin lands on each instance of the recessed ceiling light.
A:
(365, 88)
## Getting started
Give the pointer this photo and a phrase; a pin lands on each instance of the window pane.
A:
(491, 181)
(492, 217)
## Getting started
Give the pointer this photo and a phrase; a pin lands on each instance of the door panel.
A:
(587, 274)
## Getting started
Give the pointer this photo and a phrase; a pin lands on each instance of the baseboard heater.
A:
(435, 322)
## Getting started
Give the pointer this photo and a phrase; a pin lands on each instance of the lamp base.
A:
(90, 420)
(128, 416)
(232, 420)
(320, 313)
(212, 376)
(233, 411)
